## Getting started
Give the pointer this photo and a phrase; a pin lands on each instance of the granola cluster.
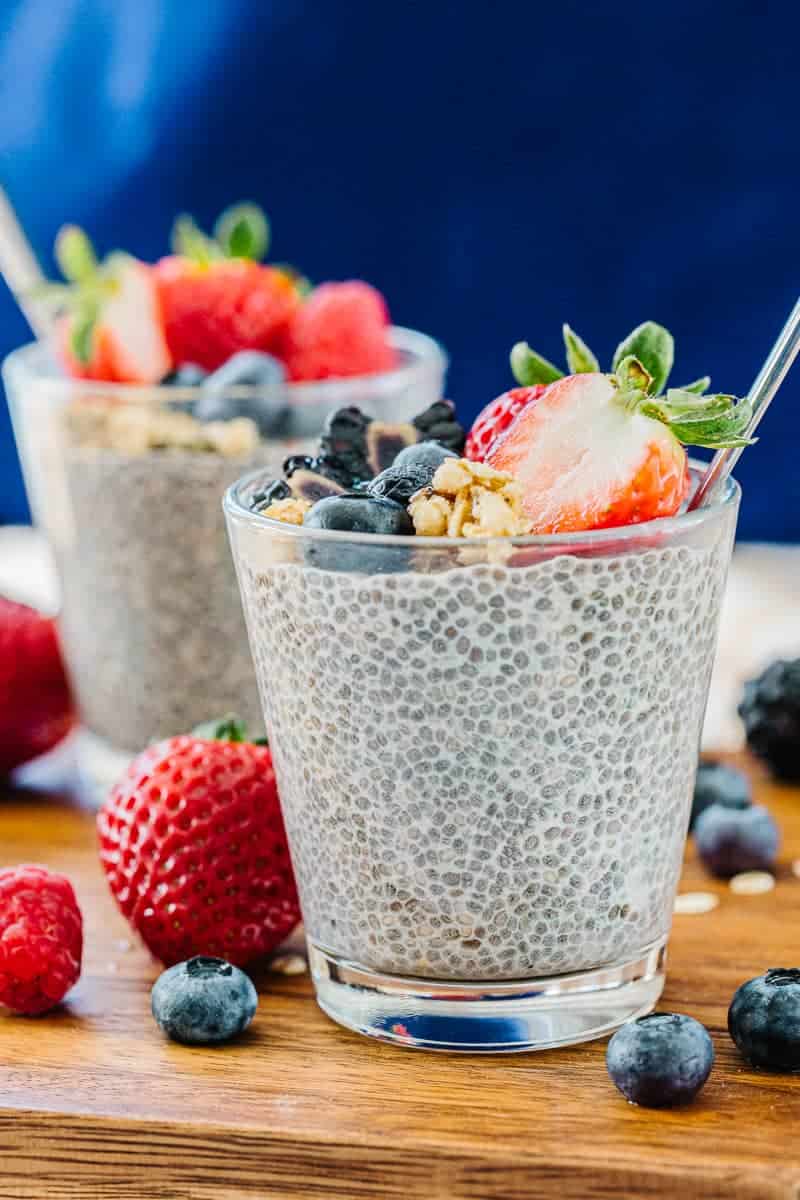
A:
(290, 510)
(137, 429)
(469, 499)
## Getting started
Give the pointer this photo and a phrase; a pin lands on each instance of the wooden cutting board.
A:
(95, 1104)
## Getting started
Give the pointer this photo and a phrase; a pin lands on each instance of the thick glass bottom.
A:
(488, 1018)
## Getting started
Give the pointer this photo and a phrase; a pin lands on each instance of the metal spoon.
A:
(765, 385)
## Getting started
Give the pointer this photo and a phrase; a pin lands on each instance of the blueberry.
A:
(717, 783)
(414, 468)
(428, 454)
(660, 1060)
(203, 1000)
(770, 710)
(247, 369)
(359, 513)
(730, 840)
(764, 1019)
(186, 375)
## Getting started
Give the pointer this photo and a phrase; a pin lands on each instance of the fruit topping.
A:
(385, 441)
(359, 514)
(186, 375)
(340, 330)
(221, 397)
(41, 939)
(732, 840)
(216, 297)
(35, 704)
(344, 443)
(413, 469)
(719, 783)
(198, 816)
(764, 1019)
(438, 423)
(468, 499)
(770, 710)
(111, 323)
(307, 483)
(291, 510)
(660, 1060)
(496, 418)
(278, 489)
(203, 1001)
(595, 451)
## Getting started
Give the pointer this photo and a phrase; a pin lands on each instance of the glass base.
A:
(488, 1018)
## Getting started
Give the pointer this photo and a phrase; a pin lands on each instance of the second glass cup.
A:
(485, 752)
(151, 617)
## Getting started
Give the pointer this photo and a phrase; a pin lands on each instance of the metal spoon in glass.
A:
(765, 385)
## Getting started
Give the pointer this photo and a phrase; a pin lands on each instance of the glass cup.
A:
(151, 618)
(485, 752)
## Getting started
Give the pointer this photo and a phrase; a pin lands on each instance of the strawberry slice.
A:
(496, 418)
(112, 327)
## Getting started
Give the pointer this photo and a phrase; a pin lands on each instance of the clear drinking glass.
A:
(151, 618)
(485, 752)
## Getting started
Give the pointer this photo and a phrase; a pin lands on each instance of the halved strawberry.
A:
(596, 451)
(496, 418)
(125, 343)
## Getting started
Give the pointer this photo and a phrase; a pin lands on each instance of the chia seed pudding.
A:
(486, 770)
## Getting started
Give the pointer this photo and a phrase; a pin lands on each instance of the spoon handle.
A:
(765, 385)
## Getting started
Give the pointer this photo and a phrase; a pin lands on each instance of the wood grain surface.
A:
(96, 1104)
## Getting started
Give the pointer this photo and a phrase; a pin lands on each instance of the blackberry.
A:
(764, 1019)
(439, 424)
(770, 710)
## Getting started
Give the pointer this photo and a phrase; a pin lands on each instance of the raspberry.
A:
(340, 330)
(41, 939)
(496, 418)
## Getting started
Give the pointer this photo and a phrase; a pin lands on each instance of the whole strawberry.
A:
(340, 330)
(41, 939)
(35, 704)
(193, 845)
(216, 298)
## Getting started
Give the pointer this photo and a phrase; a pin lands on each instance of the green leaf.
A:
(654, 347)
(188, 240)
(223, 729)
(529, 368)
(632, 376)
(75, 254)
(81, 332)
(715, 421)
(580, 359)
(242, 231)
(698, 386)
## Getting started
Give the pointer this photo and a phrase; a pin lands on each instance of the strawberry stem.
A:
(530, 368)
(229, 728)
(242, 231)
(715, 421)
(654, 347)
(580, 359)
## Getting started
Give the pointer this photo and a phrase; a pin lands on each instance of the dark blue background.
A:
(493, 168)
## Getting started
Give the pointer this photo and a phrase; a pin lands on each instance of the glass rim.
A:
(682, 522)
(423, 350)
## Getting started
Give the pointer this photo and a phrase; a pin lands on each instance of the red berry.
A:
(212, 310)
(496, 418)
(41, 939)
(193, 844)
(35, 704)
(340, 330)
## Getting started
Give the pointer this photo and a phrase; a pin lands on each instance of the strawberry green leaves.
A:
(580, 359)
(89, 284)
(75, 254)
(530, 368)
(241, 231)
(715, 422)
(654, 347)
(632, 376)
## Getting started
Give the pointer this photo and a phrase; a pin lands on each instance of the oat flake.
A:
(695, 903)
(752, 883)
